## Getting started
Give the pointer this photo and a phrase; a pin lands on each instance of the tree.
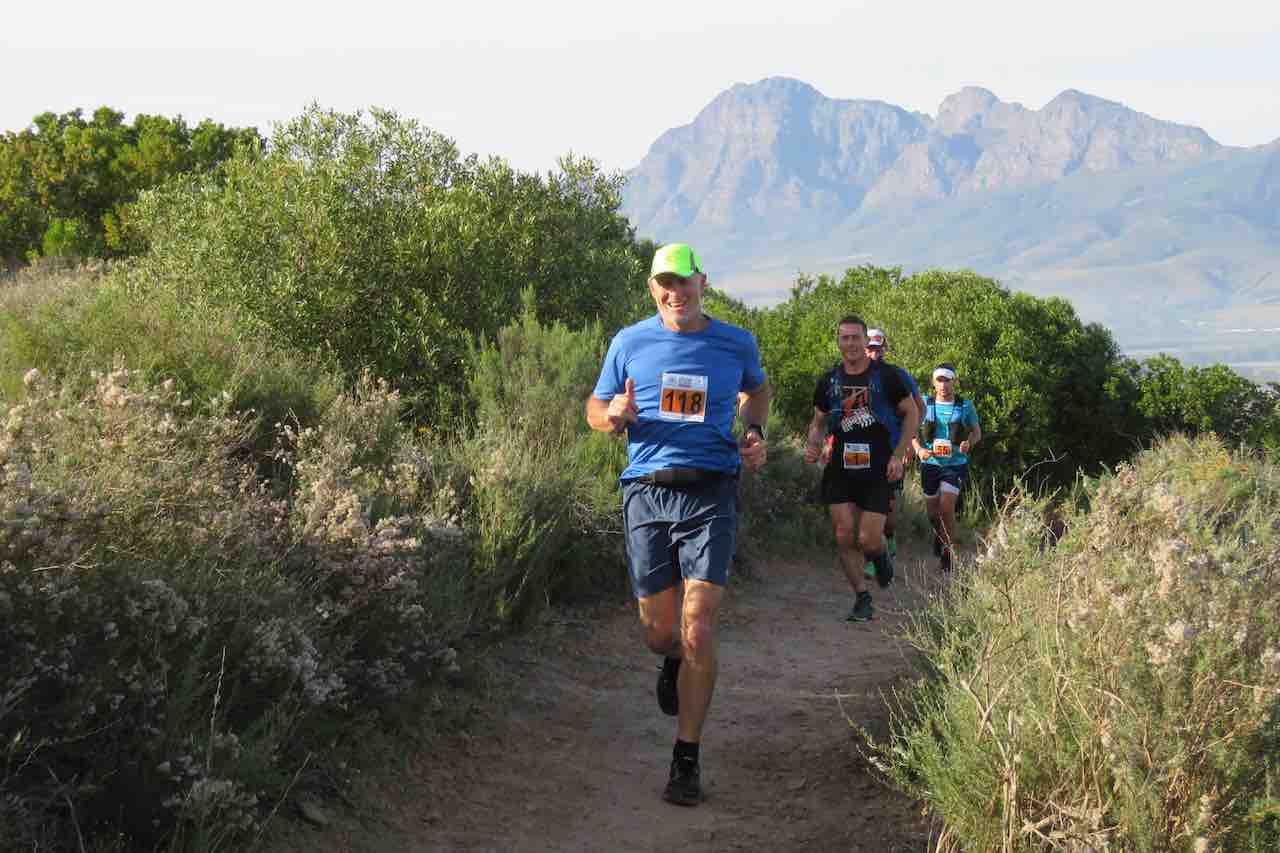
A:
(65, 182)
(377, 243)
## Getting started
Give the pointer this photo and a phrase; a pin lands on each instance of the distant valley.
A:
(1152, 228)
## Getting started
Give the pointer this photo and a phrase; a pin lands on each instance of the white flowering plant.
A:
(1114, 689)
(177, 630)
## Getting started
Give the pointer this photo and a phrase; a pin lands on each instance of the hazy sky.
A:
(529, 82)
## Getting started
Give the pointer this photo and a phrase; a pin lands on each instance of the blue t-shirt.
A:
(944, 413)
(687, 388)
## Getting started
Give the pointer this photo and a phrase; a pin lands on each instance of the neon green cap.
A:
(677, 258)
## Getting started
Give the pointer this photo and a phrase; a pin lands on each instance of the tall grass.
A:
(1119, 690)
(71, 321)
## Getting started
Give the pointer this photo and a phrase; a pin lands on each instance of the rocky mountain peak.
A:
(964, 111)
(777, 156)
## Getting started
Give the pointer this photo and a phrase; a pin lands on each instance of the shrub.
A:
(374, 243)
(68, 321)
(544, 500)
(1120, 690)
(177, 636)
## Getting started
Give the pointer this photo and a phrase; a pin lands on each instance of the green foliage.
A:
(376, 244)
(1120, 689)
(66, 182)
(67, 322)
(182, 632)
(1178, 398)
(1051, 392)
(545, 486)
(1054, 394)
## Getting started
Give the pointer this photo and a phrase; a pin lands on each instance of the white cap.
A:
(942, 372)
(875, 338)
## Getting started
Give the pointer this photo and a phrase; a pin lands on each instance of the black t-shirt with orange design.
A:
(862, 440)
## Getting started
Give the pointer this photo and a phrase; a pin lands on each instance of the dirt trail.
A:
(573, 754)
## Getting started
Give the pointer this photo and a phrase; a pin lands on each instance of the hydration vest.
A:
(881, 408)
(956, 427)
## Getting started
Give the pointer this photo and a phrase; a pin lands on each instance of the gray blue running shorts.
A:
(942, 478)
(676, 533)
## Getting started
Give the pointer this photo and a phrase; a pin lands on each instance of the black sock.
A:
(685, 751)
(671, 666)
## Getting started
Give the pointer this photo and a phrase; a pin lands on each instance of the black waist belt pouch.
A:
(682, 476)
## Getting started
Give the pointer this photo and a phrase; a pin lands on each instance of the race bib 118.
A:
(683, 398)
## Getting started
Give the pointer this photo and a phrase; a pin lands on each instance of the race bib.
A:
(857, 456)
(683, 398)
(942, 447)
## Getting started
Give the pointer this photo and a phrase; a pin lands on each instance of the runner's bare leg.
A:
(659, 619)
(844, 522)
(699, 646)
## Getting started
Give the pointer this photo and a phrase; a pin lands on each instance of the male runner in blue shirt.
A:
(674, 383)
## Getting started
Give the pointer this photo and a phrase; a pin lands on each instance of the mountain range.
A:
(1152, 228)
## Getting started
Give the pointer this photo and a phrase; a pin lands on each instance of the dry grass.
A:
(1119, 690)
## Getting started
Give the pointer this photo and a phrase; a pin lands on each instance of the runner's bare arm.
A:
(753, 405)
(910, 423)
(972, 441)
(911, 444)
(753, 409)
(817, 429)
(613, 415)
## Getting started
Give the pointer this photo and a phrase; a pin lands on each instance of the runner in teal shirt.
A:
(948, 432)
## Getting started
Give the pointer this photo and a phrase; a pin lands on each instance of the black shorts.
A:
(869, 493)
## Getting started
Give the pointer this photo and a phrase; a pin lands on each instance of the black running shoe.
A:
(668, 692)
(884, 569)
(684, 788)
(862, 610)
(946, 560)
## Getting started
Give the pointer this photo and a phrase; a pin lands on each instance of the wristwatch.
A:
(757, 428)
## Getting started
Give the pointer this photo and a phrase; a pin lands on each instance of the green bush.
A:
(1120, 690)
(375, 244)
(69, 321)
(1031, 367)
(182, 633)
(544, 500)
(65, 181)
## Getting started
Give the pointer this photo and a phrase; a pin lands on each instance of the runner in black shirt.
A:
(858, 404)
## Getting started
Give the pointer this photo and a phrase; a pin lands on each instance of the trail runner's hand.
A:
(964, 446)
(894, 474)
(812, 452)
(754, 450)
(923, 453)
(623, 409)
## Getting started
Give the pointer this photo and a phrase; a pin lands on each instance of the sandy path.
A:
(570, 752)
